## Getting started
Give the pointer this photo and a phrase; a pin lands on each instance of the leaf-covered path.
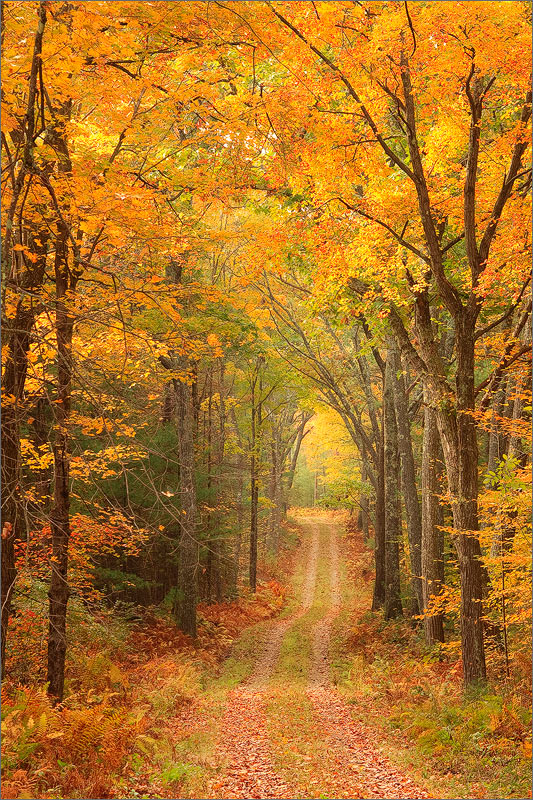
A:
(286, 732)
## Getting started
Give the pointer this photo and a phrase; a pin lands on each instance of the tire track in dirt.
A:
(245, 748)
(360, 770)
(319, 673)
(276, 633)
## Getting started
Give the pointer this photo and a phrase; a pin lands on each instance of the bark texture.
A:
(432, 517)
(18, 276)
(411, 501)
(59, 590)
(393, 602)
(188, 548)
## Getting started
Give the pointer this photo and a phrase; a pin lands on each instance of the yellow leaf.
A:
(115, 675)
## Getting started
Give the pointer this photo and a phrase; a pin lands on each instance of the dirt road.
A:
(286, 732)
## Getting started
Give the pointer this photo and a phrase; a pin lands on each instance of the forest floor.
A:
(286, 731)
(289, 715)
(297, 692)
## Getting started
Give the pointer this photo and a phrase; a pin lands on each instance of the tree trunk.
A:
(12, 511)
(213, 521)
(520, 452)
(294, 461)
(275, 511)
(207, 449)
(188, 548)
(378, 598)
(13, 380)
(254, 477)
(459, 442)
(17, 335)
(241, 469)
(254, 490)
(66, 277)
(393, 603)
(59, 591)
(464, 508)
(495, 439)
(218, 485)
(408, 479)
(432, 518)
(364, 507)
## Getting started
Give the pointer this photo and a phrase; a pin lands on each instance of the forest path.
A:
(286, 732)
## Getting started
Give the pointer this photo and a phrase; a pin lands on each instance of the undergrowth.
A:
(117, 733)
(478, 742)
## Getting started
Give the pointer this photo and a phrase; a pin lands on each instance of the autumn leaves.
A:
(336, 192)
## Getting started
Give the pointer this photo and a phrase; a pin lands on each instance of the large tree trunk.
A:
(393, 603)
(59, 591)
(378, 598)
(13, 381)
(254, 473)
(12, 511)
(432, 518)
(364, 506)
(459, 442)
(413, 513)
(465, 510)
(188, 548)
(66, 277)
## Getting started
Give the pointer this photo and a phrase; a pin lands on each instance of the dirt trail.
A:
(354, 767)
(249, 771)
(365, 771)
(245, 749)
(319, 675)
(277, 631)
